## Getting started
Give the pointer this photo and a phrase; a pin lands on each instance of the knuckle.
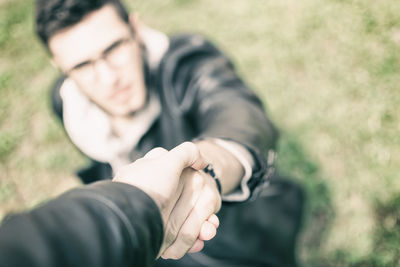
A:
(198, 180)
(172, 229)
(170, 236)
(212, 196)
(194, 179)
(166, 255)
(213, 201)
(158, 150)
(173, 255)
(177, 256)
(217, 197)
(191, 147)
(188, 238)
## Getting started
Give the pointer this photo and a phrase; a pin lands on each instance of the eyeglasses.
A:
(116, 55)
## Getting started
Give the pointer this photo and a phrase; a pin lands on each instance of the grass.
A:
(328, 72)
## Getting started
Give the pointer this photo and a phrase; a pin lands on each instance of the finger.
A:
(190, 230)
(207, 231)
(198, 246)
(192, 188)
(155, 153)
(214, 220)
(186, 155)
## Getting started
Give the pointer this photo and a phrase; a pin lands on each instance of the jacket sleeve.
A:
(217, 102)
(104, 224)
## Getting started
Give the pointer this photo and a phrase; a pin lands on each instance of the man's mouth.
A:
(121, 95)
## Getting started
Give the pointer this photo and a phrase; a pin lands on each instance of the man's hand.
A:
(201, 192)
(208, 200)
(173, 180)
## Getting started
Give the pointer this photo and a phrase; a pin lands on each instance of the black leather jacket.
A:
(104, 224)
(201, 97)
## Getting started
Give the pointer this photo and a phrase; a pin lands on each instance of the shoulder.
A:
(182, 45)
(191, 55)
(188, 40)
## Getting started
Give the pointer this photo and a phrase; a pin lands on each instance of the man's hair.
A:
(53, 16)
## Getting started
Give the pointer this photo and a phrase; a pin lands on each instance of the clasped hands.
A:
(187, 197)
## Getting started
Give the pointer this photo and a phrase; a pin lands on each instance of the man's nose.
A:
(105, 73)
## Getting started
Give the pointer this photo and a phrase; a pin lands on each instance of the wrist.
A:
(209, 169)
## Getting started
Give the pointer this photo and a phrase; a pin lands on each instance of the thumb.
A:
(185, 155)
(155, 153)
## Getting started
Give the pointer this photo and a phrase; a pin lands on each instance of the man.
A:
(119, 223)
(127, 88)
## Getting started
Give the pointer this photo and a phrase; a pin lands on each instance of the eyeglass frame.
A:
(102, 56)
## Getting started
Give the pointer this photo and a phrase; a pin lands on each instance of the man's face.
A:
(104, 59)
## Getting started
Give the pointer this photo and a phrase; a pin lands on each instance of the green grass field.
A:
(328, 72)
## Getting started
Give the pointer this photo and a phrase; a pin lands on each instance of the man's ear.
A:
(135, 24)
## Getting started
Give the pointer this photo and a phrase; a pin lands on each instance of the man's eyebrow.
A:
(77, 66)
(112, 46)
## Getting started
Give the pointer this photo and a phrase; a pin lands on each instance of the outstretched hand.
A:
(175, 182)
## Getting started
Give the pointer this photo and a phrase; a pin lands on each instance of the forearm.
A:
(96, 226)
(227, 167)
(245, 124)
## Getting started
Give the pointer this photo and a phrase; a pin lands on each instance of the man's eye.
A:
(82, 65)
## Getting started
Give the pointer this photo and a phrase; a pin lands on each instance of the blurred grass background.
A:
(328, 71)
